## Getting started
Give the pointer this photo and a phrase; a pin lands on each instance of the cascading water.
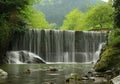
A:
(60, 46)
(97, 53)
(88, 43)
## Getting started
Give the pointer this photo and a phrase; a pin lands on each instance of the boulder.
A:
(73, 76)
(116, 80)
(50, 82)
(52, 69)
(85, 78)
(3, 74)
(21, 57)
(100, 80)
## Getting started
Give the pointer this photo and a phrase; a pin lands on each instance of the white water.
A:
(59, 46)
(97, 53)
(22, 57)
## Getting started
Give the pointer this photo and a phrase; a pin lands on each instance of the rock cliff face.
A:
(110, 56)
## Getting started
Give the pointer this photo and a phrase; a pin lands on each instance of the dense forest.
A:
(56, 10)
(95, 18)
(79, 15)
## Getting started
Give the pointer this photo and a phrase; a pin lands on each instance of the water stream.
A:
(40, 75)
(58, 46)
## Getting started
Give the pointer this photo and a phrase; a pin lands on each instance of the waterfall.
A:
(59, 46)
(97, 53)
(88, 43)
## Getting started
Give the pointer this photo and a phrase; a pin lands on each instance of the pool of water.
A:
(40, 73)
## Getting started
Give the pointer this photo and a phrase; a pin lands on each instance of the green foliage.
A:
(11, 17)
(16, 15)
(55, 10)
(114, 38)
(111, 54)
(10, 11)
(109, 59)
(99, 17)
(116, 5)
(73, 19)
(4, 34)
(36, 19)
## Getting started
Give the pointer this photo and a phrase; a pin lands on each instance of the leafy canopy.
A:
(116, 6)
(97, 17)
(72, 20)
(37, 19)
(100, 17)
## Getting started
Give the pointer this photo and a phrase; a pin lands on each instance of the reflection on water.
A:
(40, 73)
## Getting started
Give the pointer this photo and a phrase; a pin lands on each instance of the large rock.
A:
(19, 57)
(100, 80)
(3, 74)
(116, 80)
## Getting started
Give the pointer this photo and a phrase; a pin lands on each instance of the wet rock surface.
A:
(53, 69)
(92, 77)
(115, 80)
(3, 74)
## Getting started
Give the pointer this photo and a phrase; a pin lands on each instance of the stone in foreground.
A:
(116, 80)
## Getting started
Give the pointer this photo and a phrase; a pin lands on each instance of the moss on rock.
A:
(110, 56)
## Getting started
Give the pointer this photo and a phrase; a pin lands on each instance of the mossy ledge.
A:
(110, 55)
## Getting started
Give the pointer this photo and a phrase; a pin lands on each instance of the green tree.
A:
(99, 17)
(72, 20)
(116, 6)
(37, 19)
